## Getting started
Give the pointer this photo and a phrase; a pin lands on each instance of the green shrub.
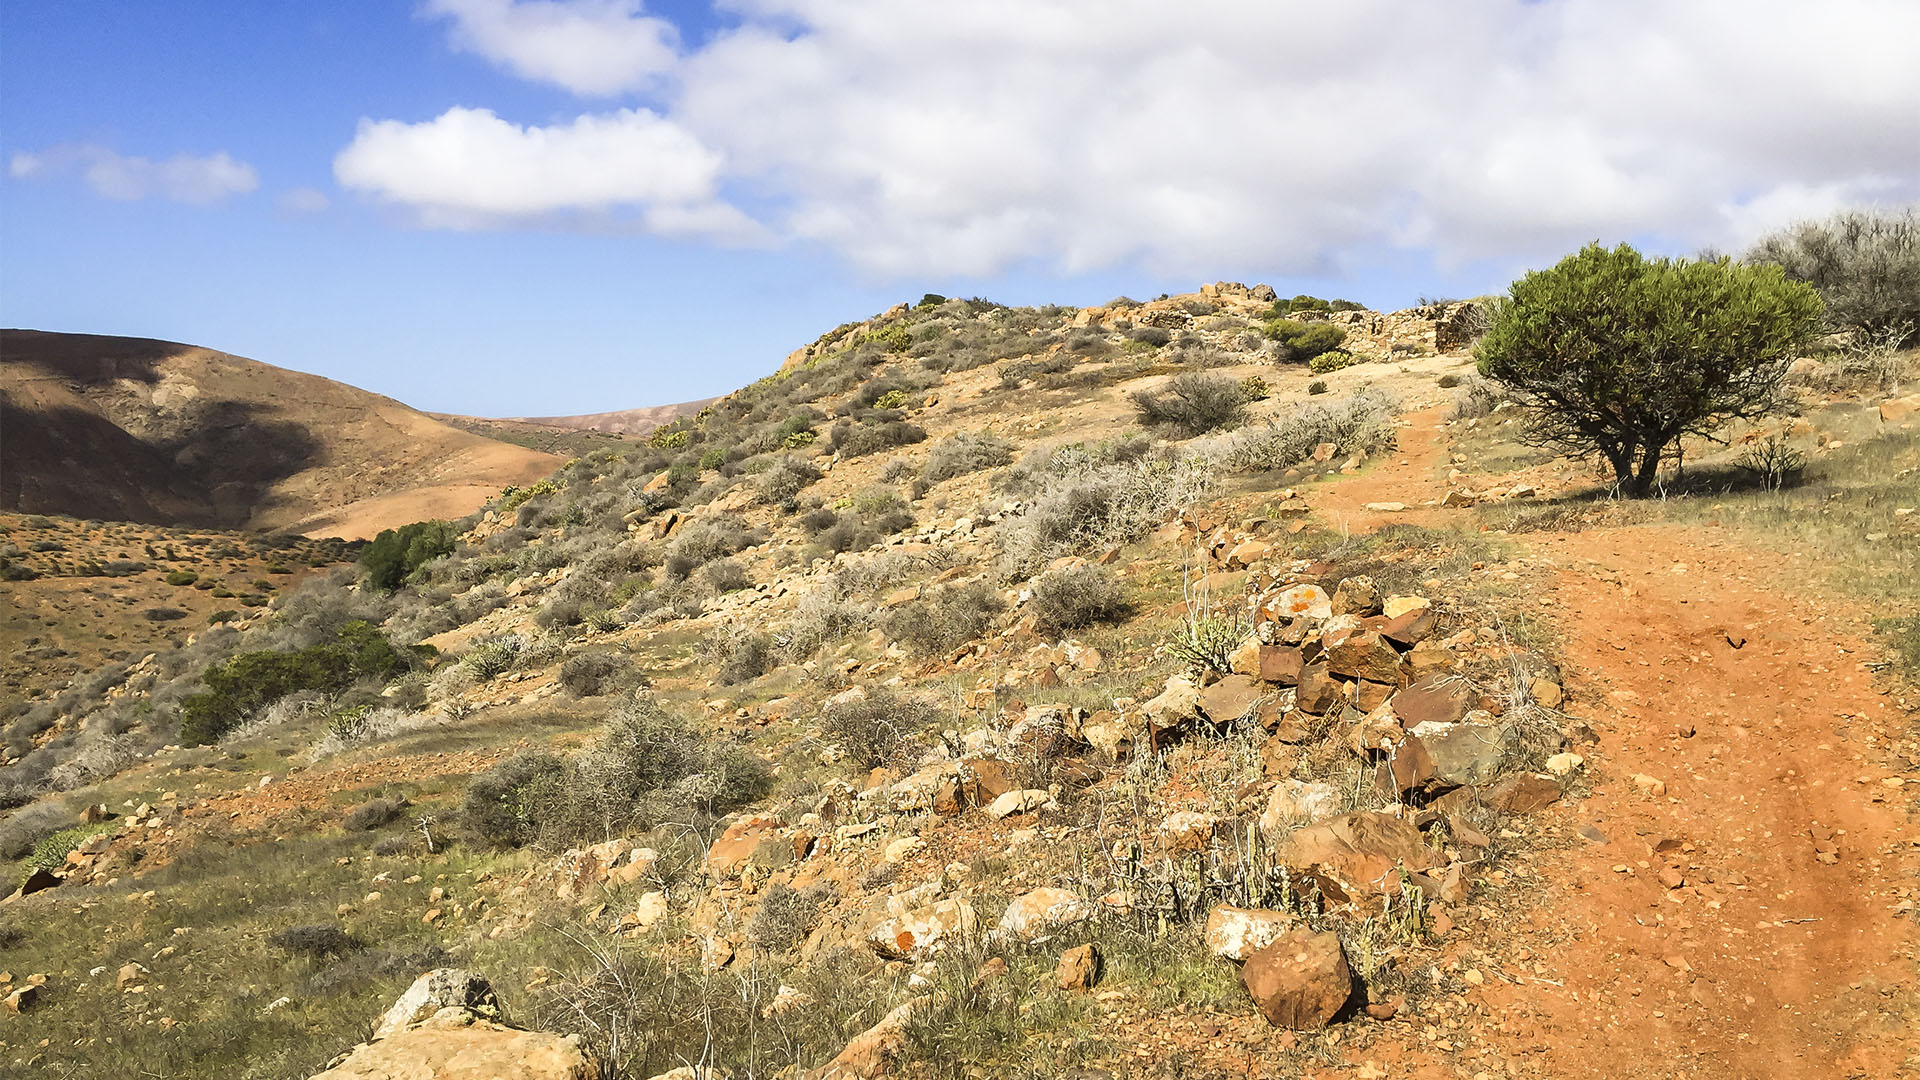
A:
(51, 852)
(1317, 386)
(1193, 402)
(1303, 302)
(494, 656)
(1330, 361)
(857, 439)
(1621, 356)
(394, 555)
(593, 673)
(182, 577)
(712, 459)
(251, 680)
(1300, 342)
(895, 338)
(786, 477)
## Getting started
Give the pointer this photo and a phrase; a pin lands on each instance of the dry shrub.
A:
(1078, 596)
(880, 727)
(943, 620)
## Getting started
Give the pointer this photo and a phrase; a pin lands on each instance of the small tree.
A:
(1622, 356)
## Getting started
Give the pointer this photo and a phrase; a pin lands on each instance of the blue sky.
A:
(514, 208)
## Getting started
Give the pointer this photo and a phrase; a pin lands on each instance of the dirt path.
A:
(1751, 914)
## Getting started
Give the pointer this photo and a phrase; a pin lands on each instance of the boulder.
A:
(1407, 768)
(455, 1044)
(1188, 830)
(1236, 933)
(1044, 911)
(23, 999)
(1360, 850)
(1079, 968)
(737, 844)
(441, 988)
(1301, 981)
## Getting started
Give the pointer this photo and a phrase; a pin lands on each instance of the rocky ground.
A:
(1402, 761)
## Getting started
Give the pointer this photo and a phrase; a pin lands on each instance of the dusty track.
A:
(1764, 960)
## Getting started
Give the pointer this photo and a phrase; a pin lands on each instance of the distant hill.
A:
(623, 421)
(135, 429)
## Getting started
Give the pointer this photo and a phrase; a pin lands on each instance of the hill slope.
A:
(153, 431)
(621, 421)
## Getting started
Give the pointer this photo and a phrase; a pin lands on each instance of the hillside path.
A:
(1751, 914)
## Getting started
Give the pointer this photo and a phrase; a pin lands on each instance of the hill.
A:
(621, 421)
(1162, 690)
(134, 429)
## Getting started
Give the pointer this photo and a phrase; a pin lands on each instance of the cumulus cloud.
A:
(468, 168)
(186, 178)
(1083, 134)
(586, 46)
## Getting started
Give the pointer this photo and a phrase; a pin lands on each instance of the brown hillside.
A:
(135, 429)
(622, 421)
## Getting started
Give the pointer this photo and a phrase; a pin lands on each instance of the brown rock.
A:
(1357, 595)
(40, 880)
(1434, 699)
(1319, 691)
(1410, 628)
(1522, 793)
(983, 780)
(23, 999)
(1230, 699)
(1360, 849)
(1368, 696)
(1365, 655)
(1301, 981)
(1279, 664)
(1546, 693)
(1079, 968)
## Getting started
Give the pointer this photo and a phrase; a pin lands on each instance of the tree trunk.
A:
(1649, 470)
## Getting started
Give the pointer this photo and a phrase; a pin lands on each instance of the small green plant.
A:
(182, 577)
(1317, 386)
(894, 399)
(1253, 388)
(1330, 361)
(51, 852)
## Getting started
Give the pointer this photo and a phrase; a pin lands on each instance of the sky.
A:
(545, 207)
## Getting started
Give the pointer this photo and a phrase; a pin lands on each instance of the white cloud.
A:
(470, 169)
(586, 46)
(1083, 134)
(200, 181)
(303, 200)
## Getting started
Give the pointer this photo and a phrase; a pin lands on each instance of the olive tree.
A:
(1619, 355)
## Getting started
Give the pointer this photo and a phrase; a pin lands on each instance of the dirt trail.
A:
(1716, 670)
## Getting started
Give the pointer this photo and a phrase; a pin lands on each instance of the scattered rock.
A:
(1546, 693)
(1309, 600)
(130, 976)
(1300, 981)
(1523, 793)
(1295, 802)
(23, 999)
(1042, 912)
(875, 1051)
(1019, 802)
(1563, 764)
(1079, 968)
(1229, 699)
(456, 1044)
(1235, 933)
(922, 929)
